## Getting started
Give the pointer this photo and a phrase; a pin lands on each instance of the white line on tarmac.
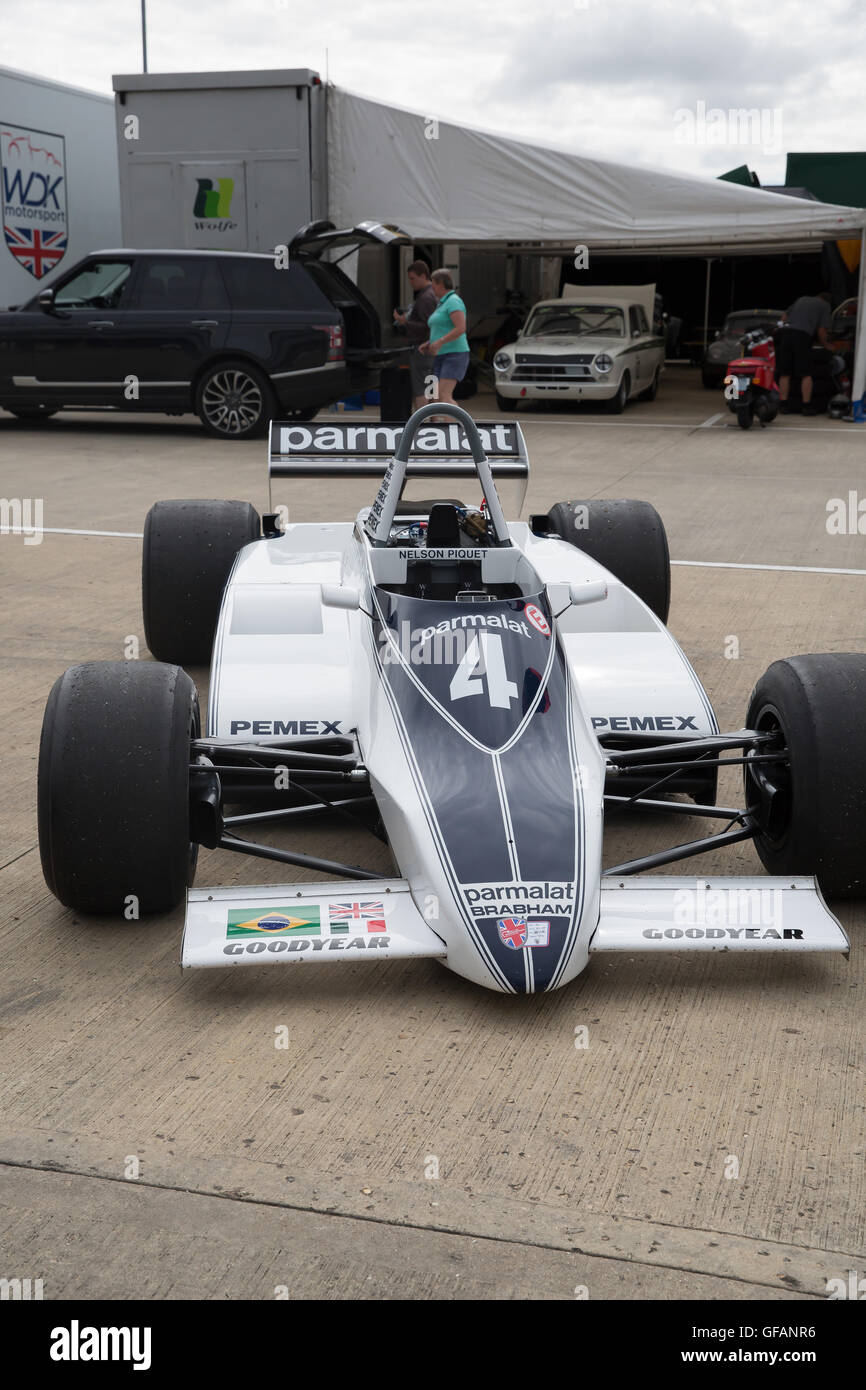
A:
(782, 569)
(63, 531)
(694, 564)
(712, 420)
(804, 431)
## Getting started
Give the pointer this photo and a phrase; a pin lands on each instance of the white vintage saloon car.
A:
(597, 344)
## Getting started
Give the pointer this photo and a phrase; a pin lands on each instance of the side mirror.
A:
(590, 591)
(563, 596)
(45, 300)
(340, 596)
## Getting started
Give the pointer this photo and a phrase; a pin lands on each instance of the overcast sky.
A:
(635, 82)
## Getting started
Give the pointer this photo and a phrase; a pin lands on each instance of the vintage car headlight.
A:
(603, 363)
(502, 361)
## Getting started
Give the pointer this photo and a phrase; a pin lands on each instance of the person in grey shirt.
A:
(807, 319)
(415, 323)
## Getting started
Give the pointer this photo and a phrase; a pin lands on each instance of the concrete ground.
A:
(309, 1169)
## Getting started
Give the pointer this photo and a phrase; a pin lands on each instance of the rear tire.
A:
(188, 552)
(628, 538)
(745, 416)
(113, 793)
(234, 400)
(812, 806)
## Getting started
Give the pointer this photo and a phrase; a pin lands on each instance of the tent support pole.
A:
(858, 385)
(707, 303)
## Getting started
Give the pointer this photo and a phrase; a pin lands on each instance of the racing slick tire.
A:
(618, 403)
(627, 537)
(811, 807)
(745, 416)
(113, 787)
(234, 400)
(188, 552)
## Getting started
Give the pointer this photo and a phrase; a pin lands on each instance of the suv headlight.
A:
(603, 363)
(502, 361)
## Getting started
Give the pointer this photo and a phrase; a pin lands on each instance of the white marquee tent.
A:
(446, 182)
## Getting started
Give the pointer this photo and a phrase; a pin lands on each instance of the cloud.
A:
(604, 77)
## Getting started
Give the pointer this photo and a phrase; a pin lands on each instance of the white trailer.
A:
(58, 180)
(233, 160)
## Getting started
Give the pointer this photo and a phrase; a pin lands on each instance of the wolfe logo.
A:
(33, 178)
(214, 200)
(279, 921)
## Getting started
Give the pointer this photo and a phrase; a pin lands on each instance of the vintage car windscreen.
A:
(600, 320)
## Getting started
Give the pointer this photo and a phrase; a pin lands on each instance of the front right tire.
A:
(113, 787)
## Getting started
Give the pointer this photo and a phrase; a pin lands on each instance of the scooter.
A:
(750, 385)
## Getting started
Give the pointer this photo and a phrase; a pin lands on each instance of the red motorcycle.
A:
(750, 385)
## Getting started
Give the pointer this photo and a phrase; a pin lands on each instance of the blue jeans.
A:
(452, 365)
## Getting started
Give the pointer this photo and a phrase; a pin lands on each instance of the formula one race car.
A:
(477, 693)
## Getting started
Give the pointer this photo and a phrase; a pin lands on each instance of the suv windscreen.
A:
(182, 282)
(99, 285)
(258, 284)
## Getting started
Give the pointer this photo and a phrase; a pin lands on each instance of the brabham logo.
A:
(533, 899)
(626, 723)
(260, 728)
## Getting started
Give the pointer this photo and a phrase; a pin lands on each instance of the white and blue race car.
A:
(478, 693)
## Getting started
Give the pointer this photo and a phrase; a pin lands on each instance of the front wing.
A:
(298, 923)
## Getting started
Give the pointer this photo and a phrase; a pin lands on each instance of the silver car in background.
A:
(595, 344)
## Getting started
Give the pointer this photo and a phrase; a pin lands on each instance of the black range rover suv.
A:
(228, 335)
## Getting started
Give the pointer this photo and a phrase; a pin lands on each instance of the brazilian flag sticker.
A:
(278, 921)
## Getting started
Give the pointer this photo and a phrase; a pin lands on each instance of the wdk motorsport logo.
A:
(33, 178)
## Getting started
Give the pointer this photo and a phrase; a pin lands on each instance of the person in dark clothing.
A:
(415, 323)
(807, 319)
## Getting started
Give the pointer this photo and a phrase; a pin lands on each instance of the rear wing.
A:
(340, 449)
(457, 447)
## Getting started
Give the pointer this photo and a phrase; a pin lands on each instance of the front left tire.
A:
(113, 787)
(810, 805)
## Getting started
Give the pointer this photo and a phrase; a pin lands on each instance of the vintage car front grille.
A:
(529, 366)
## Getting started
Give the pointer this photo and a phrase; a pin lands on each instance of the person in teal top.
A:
(448, 345)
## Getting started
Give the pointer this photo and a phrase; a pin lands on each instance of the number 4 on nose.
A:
(489, 661)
